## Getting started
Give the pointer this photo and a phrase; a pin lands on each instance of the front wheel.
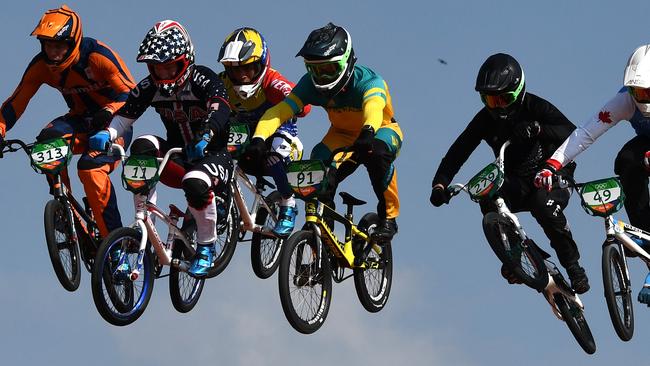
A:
(305, 282)
(61, 246)
(265, 250)
(373, 284)
(574, 318)
(522, 259)
(618, 293)
(120, 292)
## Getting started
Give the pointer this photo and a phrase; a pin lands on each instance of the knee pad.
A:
(145, 145)
(197, 192)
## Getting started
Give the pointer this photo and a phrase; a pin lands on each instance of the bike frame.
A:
(146, 225)
(315, 211)
(248, 216)
(552, 286)
(63, 194)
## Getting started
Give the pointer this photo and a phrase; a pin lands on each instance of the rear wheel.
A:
(373, 284)
(305, 283)
(574, 318)
(618, 293)
(523, 260)
(62, 248)
(120, 293)
(265, 250)
(184, 290)
(227, 230)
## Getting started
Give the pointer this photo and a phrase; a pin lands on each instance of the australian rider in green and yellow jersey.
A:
(360, 111)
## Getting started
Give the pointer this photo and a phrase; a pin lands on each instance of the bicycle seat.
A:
(348, 199)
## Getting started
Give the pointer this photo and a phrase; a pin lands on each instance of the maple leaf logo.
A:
(604, 116)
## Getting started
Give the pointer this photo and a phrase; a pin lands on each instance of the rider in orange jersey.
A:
(95, 82)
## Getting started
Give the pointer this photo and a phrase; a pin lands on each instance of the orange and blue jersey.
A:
(99, 79)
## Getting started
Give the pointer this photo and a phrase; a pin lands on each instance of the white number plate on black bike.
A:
(50, 156)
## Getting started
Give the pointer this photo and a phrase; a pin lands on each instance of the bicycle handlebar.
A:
(9, 146)
(456, 188)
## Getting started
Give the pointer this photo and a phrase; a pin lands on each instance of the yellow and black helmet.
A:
(245, 46)
(61, 24)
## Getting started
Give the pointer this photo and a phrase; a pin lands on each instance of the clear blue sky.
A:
(449, 304)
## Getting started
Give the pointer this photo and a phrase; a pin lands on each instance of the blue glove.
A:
(644, 294)
(197, 150)
(100, 141)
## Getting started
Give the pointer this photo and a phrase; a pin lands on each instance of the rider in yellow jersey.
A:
(359, 108)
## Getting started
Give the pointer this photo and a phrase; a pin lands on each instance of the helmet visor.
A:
(326, 72)
(244, 74)
(498, 101)
(641, 95)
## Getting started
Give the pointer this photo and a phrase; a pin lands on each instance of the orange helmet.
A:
(61, 24)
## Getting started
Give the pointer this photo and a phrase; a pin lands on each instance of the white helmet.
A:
(637, 75)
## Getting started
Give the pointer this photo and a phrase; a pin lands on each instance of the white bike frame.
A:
(248, 216)
(552, 287)
(146, 225)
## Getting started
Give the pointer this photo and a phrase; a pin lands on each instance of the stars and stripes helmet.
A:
(245, 48)
(61, 24)
(168, 42)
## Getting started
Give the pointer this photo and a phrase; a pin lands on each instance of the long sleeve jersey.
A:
(620, 107)
(201, 99)
(99, 79)
(521, 159)
(365, 100)
(275, 87)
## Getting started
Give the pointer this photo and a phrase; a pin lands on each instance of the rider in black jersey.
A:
(536, 128)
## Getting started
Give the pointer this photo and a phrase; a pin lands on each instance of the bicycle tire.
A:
(373, 296)
(225, 244)
(62, 249)
(296, 278)
(525, 262)
(184, 290)
(574, 318)
(128, 239)
(265, 250)
(618, 293)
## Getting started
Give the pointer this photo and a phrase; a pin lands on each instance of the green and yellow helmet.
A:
(329, 58)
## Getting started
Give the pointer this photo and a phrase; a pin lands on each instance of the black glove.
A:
(255, 152)
(525, 131)
(101, 119)
(439, 195)
(2, 145)
(363, 144)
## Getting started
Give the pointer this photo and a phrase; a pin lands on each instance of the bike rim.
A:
(620, 292)
(66, 254)
(125, 288)
(306, 291)
(269, 246)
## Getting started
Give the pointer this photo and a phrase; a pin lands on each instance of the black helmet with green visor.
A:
(502, 85)
(329, 58)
